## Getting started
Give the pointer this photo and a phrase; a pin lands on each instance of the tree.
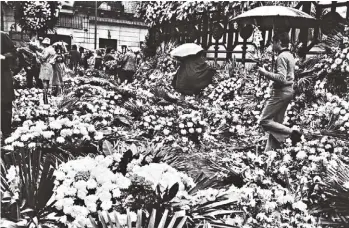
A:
(155, 13)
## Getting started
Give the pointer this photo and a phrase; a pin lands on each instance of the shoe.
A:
(296, 137)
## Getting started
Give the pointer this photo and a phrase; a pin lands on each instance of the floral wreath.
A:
(37, 15)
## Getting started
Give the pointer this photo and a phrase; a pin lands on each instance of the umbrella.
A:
(269, 17)
(60, 43)
(186, 50)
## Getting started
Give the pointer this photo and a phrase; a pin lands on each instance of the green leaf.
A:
(107, 148)
(171, 193)
(152, 219)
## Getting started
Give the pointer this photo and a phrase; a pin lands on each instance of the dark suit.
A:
(7, 90)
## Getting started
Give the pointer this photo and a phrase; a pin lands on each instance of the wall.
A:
(126, 32)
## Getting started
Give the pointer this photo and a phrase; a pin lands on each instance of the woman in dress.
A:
(47, 60)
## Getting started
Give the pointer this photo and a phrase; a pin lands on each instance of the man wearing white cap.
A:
(47, 60)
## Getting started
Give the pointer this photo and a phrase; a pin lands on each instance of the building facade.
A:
(116, 25)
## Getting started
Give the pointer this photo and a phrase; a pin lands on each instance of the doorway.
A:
(105, 43)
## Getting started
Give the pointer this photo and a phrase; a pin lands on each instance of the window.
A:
(105, 43)
(70, 21)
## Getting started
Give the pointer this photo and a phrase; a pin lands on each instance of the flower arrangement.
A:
(37, 15)
(87, 185)
(56, 132)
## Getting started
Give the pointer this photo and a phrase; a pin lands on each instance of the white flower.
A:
(147, 119)
(25, 137)
(300, 206)
(166, 132)
(116, 193)
(60, 139)
(91, 128)
(98, 136)
(183, 132)
(47, 134)
(283, 169)
(287, 158)
(181, 125)
(301, 155)
(106, 205)
(59, 175)
(191, 130)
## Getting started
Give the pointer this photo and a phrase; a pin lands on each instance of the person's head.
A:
(98, 52)
(74, 47)
(59, 58)
(108, 50)
(46, 42)
(112, 51)
(280, 41)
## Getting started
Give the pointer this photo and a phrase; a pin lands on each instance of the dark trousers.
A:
(34, 73)
(6, 118)
(74, 66)
(126, 75)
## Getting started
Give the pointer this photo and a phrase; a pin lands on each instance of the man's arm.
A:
(8, 49)
(280, 76)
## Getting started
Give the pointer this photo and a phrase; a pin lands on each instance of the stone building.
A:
(116, 25)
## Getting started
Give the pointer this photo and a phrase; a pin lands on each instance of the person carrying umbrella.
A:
(194, 74)
(282, 93)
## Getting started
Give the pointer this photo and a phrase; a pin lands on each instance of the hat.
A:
(46, 41)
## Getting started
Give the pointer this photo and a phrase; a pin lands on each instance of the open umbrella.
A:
(268, 17)
(186, 50)
(60, 43)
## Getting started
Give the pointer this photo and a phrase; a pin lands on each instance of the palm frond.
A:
(336, 189)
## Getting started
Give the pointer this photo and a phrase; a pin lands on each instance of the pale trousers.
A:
(273, 116)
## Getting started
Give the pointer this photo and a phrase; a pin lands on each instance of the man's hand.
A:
(262, 71)
(2, 57)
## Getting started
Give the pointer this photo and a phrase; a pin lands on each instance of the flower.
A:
(301, 155)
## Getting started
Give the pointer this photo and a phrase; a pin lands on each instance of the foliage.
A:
(155, 13)
(26, 186)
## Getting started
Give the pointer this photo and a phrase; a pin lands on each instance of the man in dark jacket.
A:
(8, 53)
(29, 61)
(74, 58)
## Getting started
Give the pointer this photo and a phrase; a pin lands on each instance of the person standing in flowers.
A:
(47, 58)
(282, 93)
(8, 56)
(98, 60)
(59, 71)
(74, 58)
(128, 67)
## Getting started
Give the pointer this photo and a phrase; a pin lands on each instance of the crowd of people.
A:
(48, 65)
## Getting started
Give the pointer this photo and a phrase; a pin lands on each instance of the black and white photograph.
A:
(174, 114)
